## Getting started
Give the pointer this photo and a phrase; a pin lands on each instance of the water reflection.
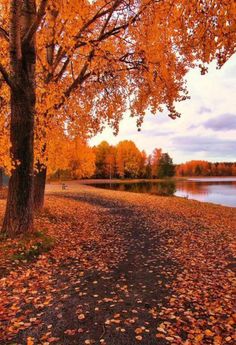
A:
(215, 190)
(161, 188)
(221, 191)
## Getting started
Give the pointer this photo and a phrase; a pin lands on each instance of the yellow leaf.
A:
(30, 341)
(209, 333)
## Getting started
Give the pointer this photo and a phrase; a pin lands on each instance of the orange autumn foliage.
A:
(94, 56)
(204, 168)
(64, 63)
(69, 154)
(128, 159)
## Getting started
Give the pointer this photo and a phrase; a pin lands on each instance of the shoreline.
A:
(133, 180)
(180, 191)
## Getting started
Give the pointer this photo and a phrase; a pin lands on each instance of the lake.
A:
(218, 190)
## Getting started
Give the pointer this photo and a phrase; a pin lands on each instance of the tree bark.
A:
(19, 210)
(39, 186)
(1, 178)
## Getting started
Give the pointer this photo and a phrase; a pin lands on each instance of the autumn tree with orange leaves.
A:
(105, 160)
(204, 168)
(63, 59)
(128, 159)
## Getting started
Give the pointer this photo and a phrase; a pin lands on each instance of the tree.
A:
(155, 162)
(110, 162)
(128, 158)
(81, 159)
(142, 164)
(162, 164)
(234, 169)
(166, 166)
(204, 168)
(1, 178)
(102, 152)
(71, 156)
(23, 23)
(93, 60)
(149, 167)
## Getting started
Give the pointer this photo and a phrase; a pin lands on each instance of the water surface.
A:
(216, 190)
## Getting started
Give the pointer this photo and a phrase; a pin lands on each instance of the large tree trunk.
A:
(19, 211)
(39, 186)
(40, 175)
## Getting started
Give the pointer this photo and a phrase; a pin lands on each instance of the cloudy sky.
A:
(206, 129)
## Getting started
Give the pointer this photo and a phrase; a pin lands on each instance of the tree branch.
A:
(110, 12)
(4, 34)
(6, 76)
(15, 35)
(83, 75)
(116, 4)
(40, 14)
(62, 53)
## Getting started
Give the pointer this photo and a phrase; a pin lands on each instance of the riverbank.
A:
(125, 269)
(220, 191)
(114, 180)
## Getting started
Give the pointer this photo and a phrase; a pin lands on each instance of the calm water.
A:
(216, 190)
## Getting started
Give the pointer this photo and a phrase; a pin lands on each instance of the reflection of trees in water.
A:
(201, 187)
(158, 188)
(166, 187)
(193, 187)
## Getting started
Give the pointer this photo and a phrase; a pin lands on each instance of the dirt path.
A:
(125, 283)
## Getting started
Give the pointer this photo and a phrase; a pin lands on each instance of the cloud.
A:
(157, 133)
(210, 145)
(191, 136)
(224, 122)
(204, 110)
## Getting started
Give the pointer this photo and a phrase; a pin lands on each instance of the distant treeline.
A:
(104, 161)
(74, 159)
(204, 168)
(125, 160)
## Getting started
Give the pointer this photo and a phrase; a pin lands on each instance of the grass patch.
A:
(30, 246)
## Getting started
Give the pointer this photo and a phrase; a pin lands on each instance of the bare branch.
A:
(40, 14)
(6, 76)
(81, 77)
(92, 20)
(84, 74)
(116, 4)
(62, 53)
(110, 12)
(4, 34)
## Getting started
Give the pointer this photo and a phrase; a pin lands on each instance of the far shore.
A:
(135, 180)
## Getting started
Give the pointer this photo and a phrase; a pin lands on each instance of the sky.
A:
(206, 129)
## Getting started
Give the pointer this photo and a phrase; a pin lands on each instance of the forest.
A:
(204, 168)
(104, 161)
(77, 160)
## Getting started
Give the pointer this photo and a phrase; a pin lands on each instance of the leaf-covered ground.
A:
(121, 269)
